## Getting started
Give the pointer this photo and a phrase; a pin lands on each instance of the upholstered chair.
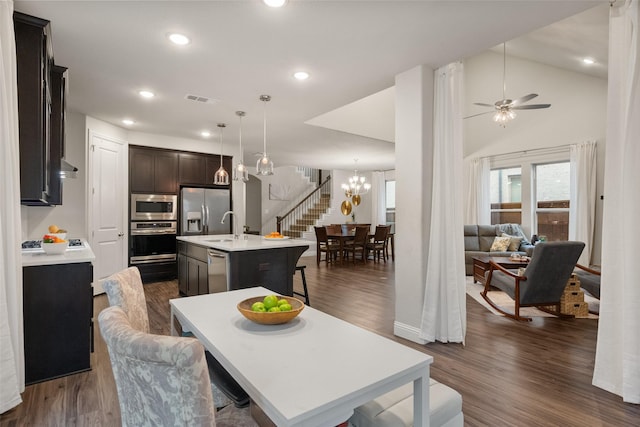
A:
(125, 290)
(162, 380)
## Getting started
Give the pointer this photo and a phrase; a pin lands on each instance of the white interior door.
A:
(107, 206)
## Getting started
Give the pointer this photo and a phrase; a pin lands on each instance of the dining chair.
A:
(124, 289)
(162, 380)
(358, 244)
(379, 243)
(323, 244)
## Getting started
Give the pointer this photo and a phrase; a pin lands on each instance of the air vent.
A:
(202, 99)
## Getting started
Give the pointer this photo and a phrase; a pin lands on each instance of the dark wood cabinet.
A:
(34, 57)
(193, 270)
(153, 171)
(58, 320)
(57, 135)
(193, 168)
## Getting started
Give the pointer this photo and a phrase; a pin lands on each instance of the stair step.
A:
(298, 228)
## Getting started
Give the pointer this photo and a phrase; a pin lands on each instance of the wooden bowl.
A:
(275, 318)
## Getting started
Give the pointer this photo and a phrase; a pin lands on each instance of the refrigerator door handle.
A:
(207, 209)
(205, 223)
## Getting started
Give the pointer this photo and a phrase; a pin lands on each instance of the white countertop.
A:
(226, 242)
(70, 256)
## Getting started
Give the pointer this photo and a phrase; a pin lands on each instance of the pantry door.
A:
(108, 205)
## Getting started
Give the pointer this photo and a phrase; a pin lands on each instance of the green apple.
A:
(274, 309)
(285, 307)
(270, 301)
(258, 306)
(282, 301)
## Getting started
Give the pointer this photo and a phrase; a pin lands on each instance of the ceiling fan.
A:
(503, 108)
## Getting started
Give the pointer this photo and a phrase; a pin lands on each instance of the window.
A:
(390, 201)
(552, 194)
(506, 195)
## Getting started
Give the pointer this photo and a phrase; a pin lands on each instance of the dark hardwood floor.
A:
(509, 373)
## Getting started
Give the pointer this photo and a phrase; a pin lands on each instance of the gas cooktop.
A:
(36, 245)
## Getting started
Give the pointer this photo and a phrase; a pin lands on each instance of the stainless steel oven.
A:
(154, 207)
(152, 242)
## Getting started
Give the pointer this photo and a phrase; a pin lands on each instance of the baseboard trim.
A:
(408, 332)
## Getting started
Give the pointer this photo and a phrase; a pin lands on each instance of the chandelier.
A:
(264, 166)
(240, 172)
(356, 187)
(222, 176)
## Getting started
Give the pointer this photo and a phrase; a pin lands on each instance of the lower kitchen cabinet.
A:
(58, 320)
(192, 270)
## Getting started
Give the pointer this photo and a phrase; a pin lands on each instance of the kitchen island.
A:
(215, 263)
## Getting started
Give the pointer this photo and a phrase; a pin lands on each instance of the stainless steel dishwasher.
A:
(217, 271)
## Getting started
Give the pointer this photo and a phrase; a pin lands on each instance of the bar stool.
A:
(301, 268)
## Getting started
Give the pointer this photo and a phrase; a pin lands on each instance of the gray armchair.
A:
(543, 281)
(162, 380)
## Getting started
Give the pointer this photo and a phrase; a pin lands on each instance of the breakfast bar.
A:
(217, 263)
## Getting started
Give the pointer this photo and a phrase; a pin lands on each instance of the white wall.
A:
(577, 113)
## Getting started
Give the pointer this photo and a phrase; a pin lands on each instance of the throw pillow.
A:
(500, 244)
(514, 244)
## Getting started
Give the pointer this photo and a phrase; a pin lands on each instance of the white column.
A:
(414, 148)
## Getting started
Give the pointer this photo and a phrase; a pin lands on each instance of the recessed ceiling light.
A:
(301, 75)
(205, 133)
(274, 3)
(128, 122)
(179, 39)
(146, 94)
(589, 61)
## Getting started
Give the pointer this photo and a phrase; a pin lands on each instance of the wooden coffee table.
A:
(481, 265)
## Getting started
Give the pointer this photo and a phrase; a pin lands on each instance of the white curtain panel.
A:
(582, 207)
(11, 333)
(617, 364)
(378, 201)
(478, 207)
(444, 311)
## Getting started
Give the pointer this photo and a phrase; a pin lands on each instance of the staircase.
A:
(309, 218)
(306, 213)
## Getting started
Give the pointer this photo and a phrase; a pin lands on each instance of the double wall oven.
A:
(154, 219)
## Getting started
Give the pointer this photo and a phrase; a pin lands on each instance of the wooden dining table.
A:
(342, 237)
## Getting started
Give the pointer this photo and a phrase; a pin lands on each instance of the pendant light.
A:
(240, 172)
(264, 165)
(221, 177)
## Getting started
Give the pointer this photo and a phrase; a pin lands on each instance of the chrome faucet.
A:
(235, 223)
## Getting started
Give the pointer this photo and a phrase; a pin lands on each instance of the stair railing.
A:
(296, 213)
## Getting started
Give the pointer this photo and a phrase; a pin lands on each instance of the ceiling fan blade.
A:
(531, 107)
(479, 114)
(483, 104)
(524, 99)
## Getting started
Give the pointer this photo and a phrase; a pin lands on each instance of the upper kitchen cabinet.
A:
(198, 168)
(34, 55)
(57, 136)
(153, 171)
(193, 169)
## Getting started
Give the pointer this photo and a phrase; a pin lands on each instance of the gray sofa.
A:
(479, 238)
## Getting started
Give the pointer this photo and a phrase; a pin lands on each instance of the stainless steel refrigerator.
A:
(202, 210)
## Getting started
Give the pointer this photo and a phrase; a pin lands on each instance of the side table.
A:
(481, 265)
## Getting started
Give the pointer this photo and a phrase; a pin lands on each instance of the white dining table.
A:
(313, 371)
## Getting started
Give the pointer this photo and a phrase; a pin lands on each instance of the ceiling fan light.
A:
(502, 117)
